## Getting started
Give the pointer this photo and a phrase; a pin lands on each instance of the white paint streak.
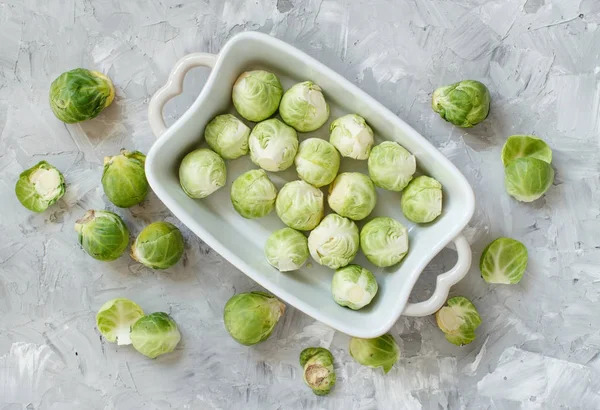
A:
(523, 376)
(471, 368)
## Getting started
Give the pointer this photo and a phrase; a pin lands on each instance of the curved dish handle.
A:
(174, 87)
(444, 282)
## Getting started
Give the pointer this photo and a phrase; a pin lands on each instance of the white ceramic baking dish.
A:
(241, 241)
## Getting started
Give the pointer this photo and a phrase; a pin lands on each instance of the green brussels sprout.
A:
(353, 286)
(381, 352)
(352, 195)
(464, 104)
(273, 145)
(304, 107)
(352, 136)
(159, 246)
(115, 318)
(317, 162)
(227, 136)
(458, 320)
(286, 249)
(103, 235)
(422, 200)
(124, 178)
(201, 173)
(80, 95)
(503, 261)
(384, 241)
(155, 334)
(525, 146)
(318, 372)
(40, 186)
(253, 194)
(391, 166)
(300, 205)
(256, 95)
(251, 317)
(527, 179)
(334, 243)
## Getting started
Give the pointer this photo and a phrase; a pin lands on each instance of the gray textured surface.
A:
(538, 347)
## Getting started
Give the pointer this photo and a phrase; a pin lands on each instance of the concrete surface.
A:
(538, 347)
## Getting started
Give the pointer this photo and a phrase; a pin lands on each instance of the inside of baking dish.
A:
(242, 240)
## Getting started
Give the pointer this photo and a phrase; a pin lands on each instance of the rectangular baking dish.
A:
(241, 241)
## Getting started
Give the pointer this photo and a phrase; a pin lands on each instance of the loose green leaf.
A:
(115, 318)
(523, 146)
(381, 352)
(527, 179)
(503, 261)
(155, 335)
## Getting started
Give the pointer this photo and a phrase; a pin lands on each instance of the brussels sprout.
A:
(40, 186)
(103, 235)
(159, 245)
(115, 318)
(527, 179)
(458, 320)
(317, 162)
(155, 334)
(391, 166)
(503, 261)
(384, 241)
(251, 317)
(352, 195)
(304, 107)
(124, 178)
(422, 200)
(201, 173)
(379, 352)
(464, 104)
(334, 243)
(256, 95)
(353, 286)
(80, 95)
(273, 145)
(253, 194)
(227, 136)
(525, 146)
(300, 205)
(286, 249)
(352, 136)
(319, 375)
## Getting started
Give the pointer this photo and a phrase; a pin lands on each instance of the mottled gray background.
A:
(539, 344)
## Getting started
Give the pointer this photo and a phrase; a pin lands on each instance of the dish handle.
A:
(444, 282)
(174, 87)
